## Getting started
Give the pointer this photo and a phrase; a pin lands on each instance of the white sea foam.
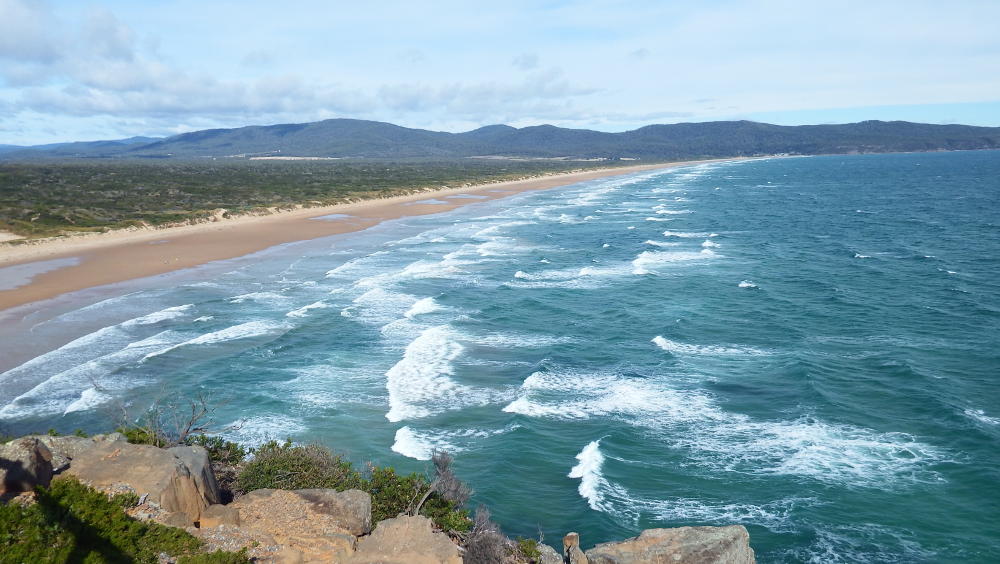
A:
(659, 219)
(674, 347)
(423, 306)
(167, 314)
(420, 384)
(588, 471)
(980, 416)
(259, 297)
(708, 243)
(379, 306)
(55, 393)
(304, 310)
(647, 260)
(687, 234)
(747, 284)
(861, 256)
(725, 441)
(862, 542)
(661, 243)
(89, 399)
(249, 330)
(421, 444)
(82, 350)
(259, 429)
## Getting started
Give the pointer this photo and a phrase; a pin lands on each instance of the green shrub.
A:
(528, 548)
(74, 523)
(293, 467)
(142, 436)
(393, 494)
(220, 451)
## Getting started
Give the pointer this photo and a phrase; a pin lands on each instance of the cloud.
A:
(27, 32)
(107, 37)
(640, 53)
(525, 61)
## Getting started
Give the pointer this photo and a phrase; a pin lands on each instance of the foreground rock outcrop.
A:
(688, 545)
(24, 464)
(177, 486)
(406, 540)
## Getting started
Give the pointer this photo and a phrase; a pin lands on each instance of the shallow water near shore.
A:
(806, 346)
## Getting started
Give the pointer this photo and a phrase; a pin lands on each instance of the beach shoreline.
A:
(120, 256)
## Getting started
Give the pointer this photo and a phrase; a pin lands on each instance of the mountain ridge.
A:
(353, 138)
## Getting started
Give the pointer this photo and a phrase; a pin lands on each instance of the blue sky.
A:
(80, 70)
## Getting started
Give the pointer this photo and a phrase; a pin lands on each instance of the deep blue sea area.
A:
(806, 346)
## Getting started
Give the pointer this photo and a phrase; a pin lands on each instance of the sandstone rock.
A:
(24, 464)
(351, 509)
(198, 464)
(406, 540)
(297, 525)
(64, 449)
(216, 515)
(173, 519)
(549, 555)
(159, 474)
(687, 545)
(571, 549)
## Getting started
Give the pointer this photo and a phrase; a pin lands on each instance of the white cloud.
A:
(155, 67)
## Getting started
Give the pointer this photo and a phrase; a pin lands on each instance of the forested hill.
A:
(359, 138)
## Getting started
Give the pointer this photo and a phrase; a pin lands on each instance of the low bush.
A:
(71, 522)
(293, 467)
(528, 548)
(220, 451)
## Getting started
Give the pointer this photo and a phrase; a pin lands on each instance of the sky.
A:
(87, 70)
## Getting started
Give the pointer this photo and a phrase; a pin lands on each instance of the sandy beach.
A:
(53, 268)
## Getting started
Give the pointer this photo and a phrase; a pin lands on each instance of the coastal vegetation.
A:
(49, 199)
(71, 522)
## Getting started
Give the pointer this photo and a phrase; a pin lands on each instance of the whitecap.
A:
(746, 284)
(674, 347)
(304, 310)
(647, 260)
(420, 384)
(422, 444)
(423, 306)
(980, 416)
(249, 330)
(588, 471)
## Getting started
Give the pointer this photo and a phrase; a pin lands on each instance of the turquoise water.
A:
(805, 346)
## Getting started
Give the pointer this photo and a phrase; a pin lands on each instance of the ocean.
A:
(806, 346)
